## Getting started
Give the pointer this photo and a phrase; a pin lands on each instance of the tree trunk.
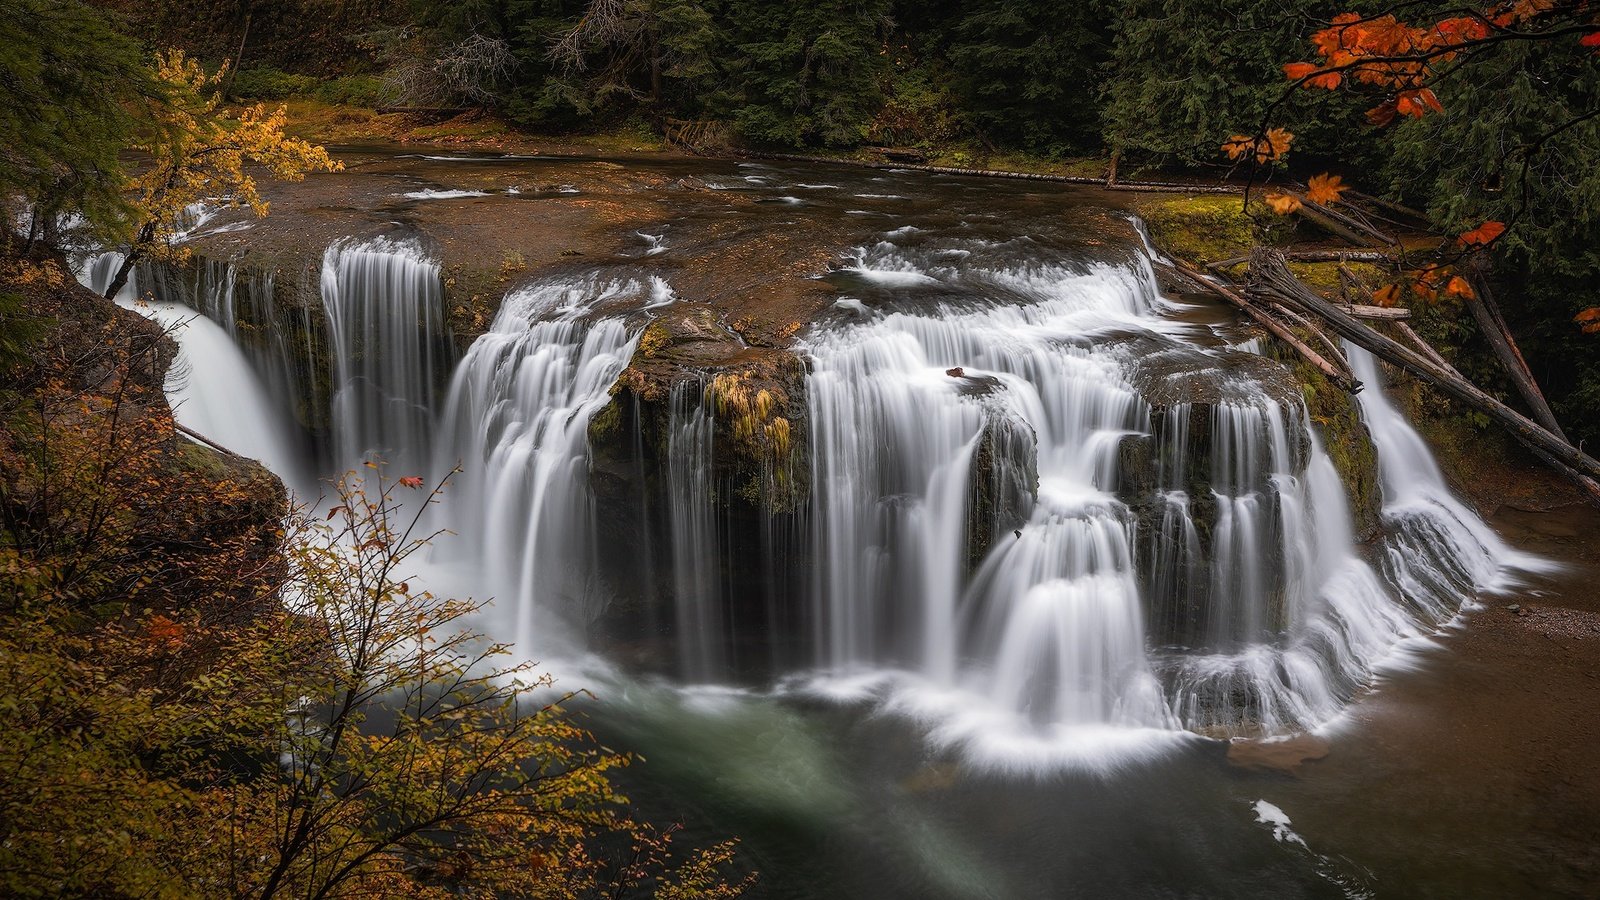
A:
(238, 56)
(121, 278)
(1342, 378)
(1271, 277)
(1494, 329)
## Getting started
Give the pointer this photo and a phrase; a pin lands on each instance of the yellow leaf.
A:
(1283, 204)
(1324, 189)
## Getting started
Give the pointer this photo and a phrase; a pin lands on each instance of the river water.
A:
(1064, 534)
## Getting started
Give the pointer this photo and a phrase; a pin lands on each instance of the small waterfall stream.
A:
(383, 300)
(211, 385)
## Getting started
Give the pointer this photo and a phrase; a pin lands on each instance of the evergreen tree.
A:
(805, 74)
(1027, 72)
(1185, 74)
(71, 92)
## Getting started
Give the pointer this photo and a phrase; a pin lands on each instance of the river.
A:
(911, 527)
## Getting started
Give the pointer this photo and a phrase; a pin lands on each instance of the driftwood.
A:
(1425, 348)
(424, 110)
(1313, 256)
(199, 438)
(1352, 228)
(1342, 378)
(1271, 278)
(1589, 485)
(1153, 186)
(1389, 313)
(1495, 331)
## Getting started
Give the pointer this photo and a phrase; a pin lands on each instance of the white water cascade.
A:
(1231, 598)
(696, 579)
(211, 386)
(384, 304)
(1049, 628)
(1438, 548)
(516, 420)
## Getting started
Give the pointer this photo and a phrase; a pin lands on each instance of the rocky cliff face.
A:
(105, 500)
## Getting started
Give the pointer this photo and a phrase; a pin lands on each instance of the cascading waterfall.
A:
(384, 304)
(1008, 533)
(211, 386)
(516, 420)
(1266, 616)
(899, 407)
(696, 576)
(1438, 548)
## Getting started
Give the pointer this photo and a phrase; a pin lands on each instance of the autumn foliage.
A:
(1399, 64)
(211, 695)
(203, 154)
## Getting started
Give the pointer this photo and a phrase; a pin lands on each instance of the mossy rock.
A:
(1201, 228)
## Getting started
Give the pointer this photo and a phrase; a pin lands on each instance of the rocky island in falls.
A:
(882, 450)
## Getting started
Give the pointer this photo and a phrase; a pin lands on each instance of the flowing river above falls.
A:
(906, 524)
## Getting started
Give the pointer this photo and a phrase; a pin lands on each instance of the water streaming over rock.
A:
(516, 420)
(1042, 514)
(696, 560)
(383, 300)
(1187, 558)
(212, 387)
(1438, 548)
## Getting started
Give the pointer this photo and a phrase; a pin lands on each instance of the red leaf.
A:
(1483, 235)
(411, 481)
(1382, 114)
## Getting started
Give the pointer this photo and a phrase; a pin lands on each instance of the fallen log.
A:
(1589, 485)
(1342, 378)
(1389, 313)
(1313, 256)
(1498, 334)
(1155, 186)
(1270, 277)
(1351, 229)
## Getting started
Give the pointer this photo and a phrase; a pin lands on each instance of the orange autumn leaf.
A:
(1273, 145)
(1324, 188)
(1589, 320)
(1591, 40)
(164, 631)
(411, 481)
(1238, 146)
(1278, 140)
(1282, 203)
(1387, 296)
(1416, 103)
(1483, 235)
(1308, 72)
(1458, 287)
(1382, 114)
(1522, 10)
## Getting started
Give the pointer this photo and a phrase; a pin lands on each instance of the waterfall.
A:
(1439, 548)
(1227, 597)
(696, 574)
(516, 420)
(899, 407)
(384, 304)
(211, 386)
